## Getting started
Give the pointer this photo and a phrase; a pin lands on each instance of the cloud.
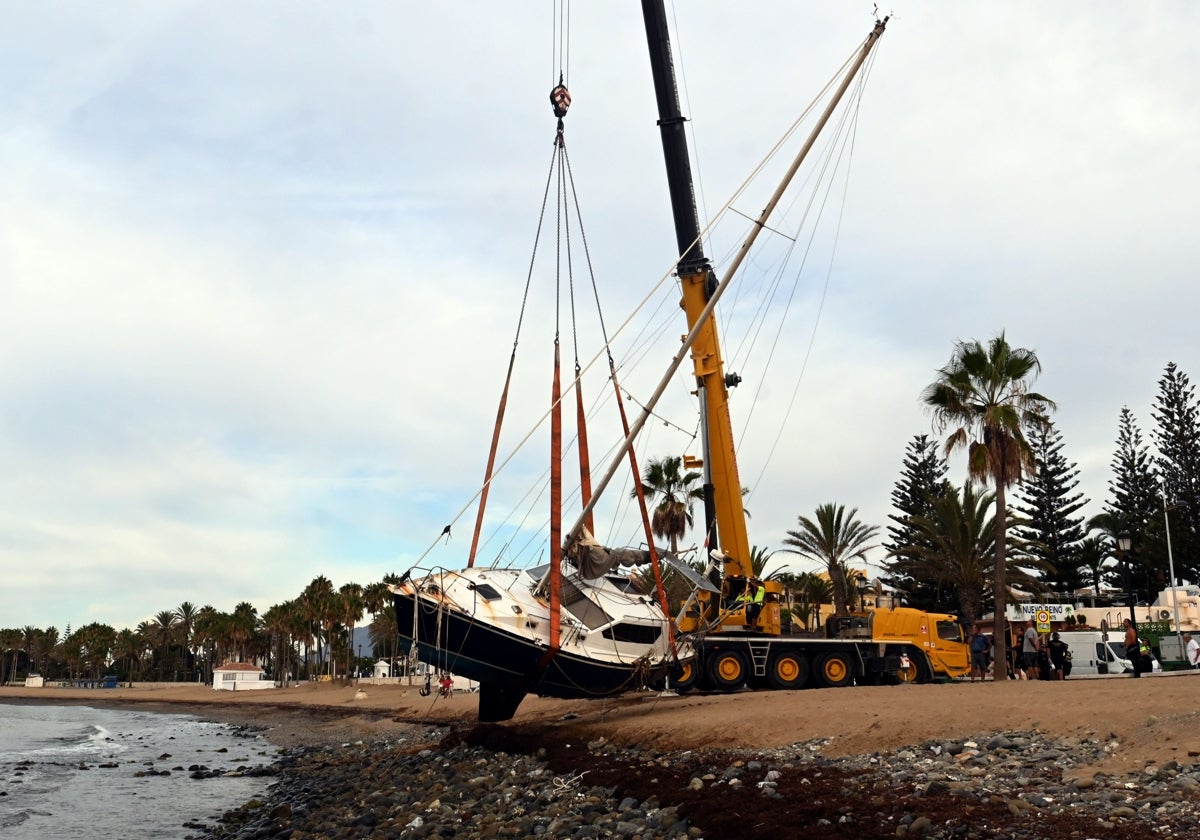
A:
(261, 271)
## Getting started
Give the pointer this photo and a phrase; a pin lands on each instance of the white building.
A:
(240, 676)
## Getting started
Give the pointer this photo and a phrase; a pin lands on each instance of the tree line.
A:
(961, 547)
(306, 636)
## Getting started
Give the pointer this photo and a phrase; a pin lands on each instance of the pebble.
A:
(410, 787)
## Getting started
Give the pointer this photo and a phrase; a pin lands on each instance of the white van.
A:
(1094, 652)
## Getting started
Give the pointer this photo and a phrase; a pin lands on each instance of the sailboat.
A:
(577, 626)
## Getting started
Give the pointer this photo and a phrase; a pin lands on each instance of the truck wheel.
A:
(787, 670)
(834, 670)
(684, 675)
(727, 670)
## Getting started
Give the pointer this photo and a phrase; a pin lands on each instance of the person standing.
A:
(1058, 656)
(1192, 648)
(1029, 651)
(981, 646)
(1132, 649)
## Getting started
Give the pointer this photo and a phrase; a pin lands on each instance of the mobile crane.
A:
(735, 628)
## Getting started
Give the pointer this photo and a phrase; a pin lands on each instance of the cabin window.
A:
(637, 633)
(949, 631)
(486, 591)
(582, 607)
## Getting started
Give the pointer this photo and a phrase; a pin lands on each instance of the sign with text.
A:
(1051, 612)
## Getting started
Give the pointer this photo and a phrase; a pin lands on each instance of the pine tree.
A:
(1135, 505)
(922, 480)
(1177, 439)
(1049, 504)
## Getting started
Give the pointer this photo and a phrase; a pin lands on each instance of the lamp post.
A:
(360, 668)
(1123, 545)
(1171, 570)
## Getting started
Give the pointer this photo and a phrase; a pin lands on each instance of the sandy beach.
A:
(1154, 719)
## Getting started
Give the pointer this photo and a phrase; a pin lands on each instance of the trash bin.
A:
(110, 681)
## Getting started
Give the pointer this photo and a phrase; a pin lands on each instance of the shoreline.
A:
(1106, 758)
(1154, 719)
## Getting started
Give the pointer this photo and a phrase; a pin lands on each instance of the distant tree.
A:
(350, 596)
(982, 395)
(1177, 438)
(812, 590)
(204, 636)
(1093, 552)
(384, 634)
(1134, 506)
(45, 649)
(277, 623)
(164, 628)
(1050, 504)
(955, 545)
(185, 617)
(760, 559)
(10, 647)
(922, 479)
(127, 653)
(833, 538)
(319, 605)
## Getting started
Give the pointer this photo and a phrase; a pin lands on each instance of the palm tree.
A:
(318, 606)
(1093, 551)
(163, 632)
(128, 650)
(833, 539)
(383, 633)
(812, 590)
(953, 545)
(982, 396)
(350, 597)
(243, 626)
(204, 636)
(44, 648)
(759, 558)
(10, 642)
(670, 490)
(185, 615)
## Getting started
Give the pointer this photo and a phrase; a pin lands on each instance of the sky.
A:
(260, 267)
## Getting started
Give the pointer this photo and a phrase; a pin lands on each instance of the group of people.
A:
(1040, 659)
(1036, 659)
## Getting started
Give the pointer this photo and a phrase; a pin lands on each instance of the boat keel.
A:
(498, 700)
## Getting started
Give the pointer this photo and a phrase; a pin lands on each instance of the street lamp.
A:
(1123, 545)
(360, 667)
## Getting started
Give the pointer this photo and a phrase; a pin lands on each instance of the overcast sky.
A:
(260, 266)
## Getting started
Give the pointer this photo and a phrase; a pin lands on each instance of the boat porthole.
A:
(517, 608)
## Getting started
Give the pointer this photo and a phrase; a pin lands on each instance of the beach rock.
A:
(438, 784)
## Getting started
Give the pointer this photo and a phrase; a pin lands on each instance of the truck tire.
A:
(684, 675)
(727, 670)
(834, 670)
(787, 670)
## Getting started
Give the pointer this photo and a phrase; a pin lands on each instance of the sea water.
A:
(80, 772)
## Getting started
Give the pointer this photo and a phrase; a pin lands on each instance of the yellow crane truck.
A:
(730, 628)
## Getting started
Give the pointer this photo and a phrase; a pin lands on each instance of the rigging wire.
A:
(848, 148)
(654, 292)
